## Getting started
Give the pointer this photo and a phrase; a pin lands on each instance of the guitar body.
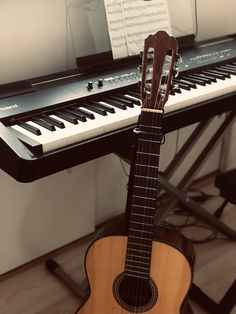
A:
(170, 269)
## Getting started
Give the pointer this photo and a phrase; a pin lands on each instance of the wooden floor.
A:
(33, 290)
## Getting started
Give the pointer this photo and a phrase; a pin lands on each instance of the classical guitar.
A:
(143, 270)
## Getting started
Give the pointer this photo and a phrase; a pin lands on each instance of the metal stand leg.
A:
(223, 307)
(81, 290)
(195, 208)
(177, 194)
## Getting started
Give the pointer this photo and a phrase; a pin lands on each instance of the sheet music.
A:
(131, 21)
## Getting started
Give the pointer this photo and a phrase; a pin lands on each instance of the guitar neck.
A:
(143, 193)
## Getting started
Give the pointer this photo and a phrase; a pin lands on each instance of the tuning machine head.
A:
(178, 58)
(176, 71)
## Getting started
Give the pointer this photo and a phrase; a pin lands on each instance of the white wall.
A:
(30, 31)
(35, 218)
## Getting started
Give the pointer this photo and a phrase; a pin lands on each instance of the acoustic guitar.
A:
(143, 268)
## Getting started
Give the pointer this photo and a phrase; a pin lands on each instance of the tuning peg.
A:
(140, 68)
(148, 86)
(178, 58)
(176, 71)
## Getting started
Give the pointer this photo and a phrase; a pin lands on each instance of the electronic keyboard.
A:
(49, 124)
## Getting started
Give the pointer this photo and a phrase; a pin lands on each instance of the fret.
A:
(146, 172)
(137, 262)
(143, 231)
(146, 198)
(149, 192)
(153, 137)
(140, 220)
(141, 223)
(138, 256)
(149, 154)
(142, 277)
(138, 250)
(139, 238)
(149, 147)
(147, 184)
(142, 187)
(134, 243)
(141, 215)
(150, 119)
(148, 207)
(138, 176)
(151, 126)
(130, 271)
(148, 141)
(139, 267)
(143, 165)
(143, 200)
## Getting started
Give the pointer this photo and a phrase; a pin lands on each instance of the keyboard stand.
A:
(178, 193)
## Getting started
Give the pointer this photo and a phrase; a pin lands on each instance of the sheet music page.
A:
(131, 21)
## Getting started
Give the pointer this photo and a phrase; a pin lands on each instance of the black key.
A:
(121, 102)
(183, 81)
(175, 90)
(76, 114)
(232, 66)
(54, 121)
(228, 69)
(134, 101)
(47, 125)
(182, 85)
(95, 109)
(66, 116)
(124, 100)
(29, 128)
(131, 93)
(210, 77)
(196, 81)
(216, 74)
(85, 113)
(104, 106)
(225, 70)
(115, 104)
(201, 77)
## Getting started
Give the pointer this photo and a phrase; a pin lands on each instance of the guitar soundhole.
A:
(136, 295)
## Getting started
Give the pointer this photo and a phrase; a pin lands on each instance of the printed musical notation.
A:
(131, 21)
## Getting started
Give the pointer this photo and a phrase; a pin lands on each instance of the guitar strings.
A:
(150, 160)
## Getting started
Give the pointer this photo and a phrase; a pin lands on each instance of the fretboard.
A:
(143, 190)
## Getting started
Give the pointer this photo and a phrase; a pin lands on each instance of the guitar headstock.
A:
(158, 69)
